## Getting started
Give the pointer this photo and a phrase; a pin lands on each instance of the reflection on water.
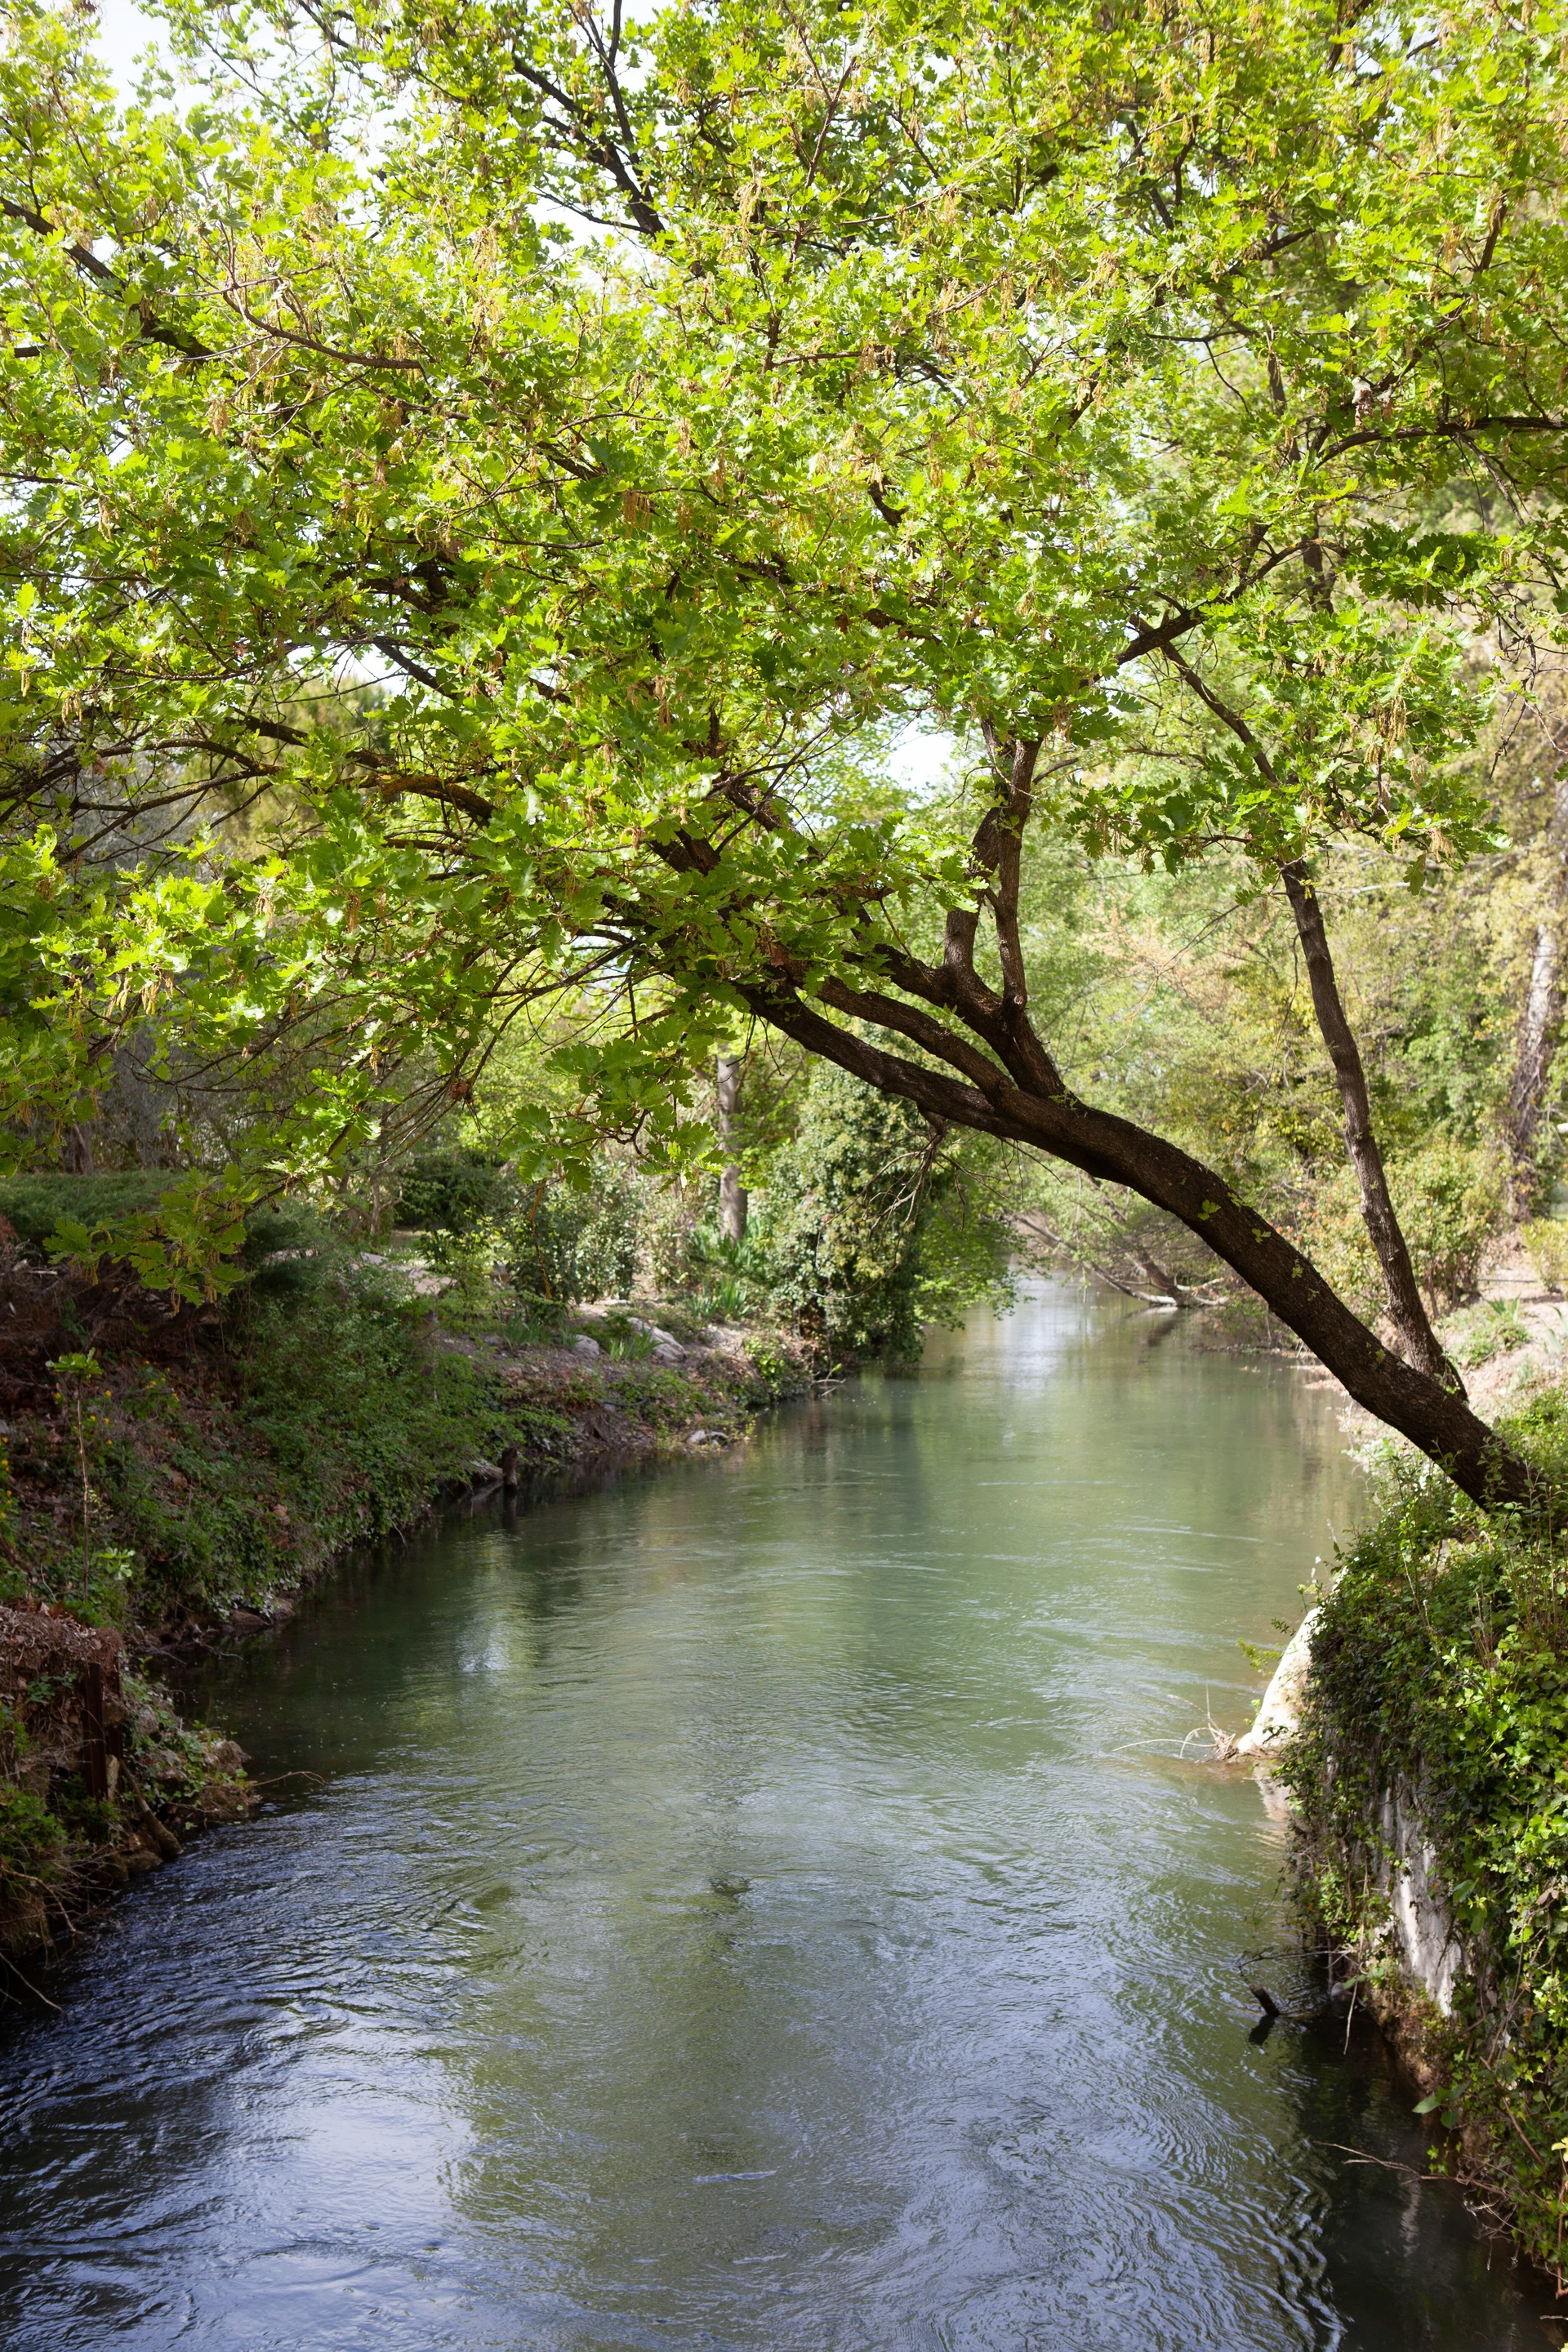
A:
(762, 1906)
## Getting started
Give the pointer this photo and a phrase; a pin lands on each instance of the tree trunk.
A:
(1539, 1020)
(733, 1203)
(1407, 1309)
(1434, 1417)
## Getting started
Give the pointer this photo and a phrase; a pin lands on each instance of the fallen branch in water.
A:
(1389, 2163)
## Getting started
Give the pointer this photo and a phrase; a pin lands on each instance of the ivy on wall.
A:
(1440, 1665)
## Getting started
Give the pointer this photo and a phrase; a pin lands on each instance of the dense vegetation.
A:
(1440, 1671)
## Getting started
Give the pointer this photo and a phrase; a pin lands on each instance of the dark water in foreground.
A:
(760, 1906)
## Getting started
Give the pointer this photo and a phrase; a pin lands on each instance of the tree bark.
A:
(1539, 1021)
(1407, 1308)
(732, 1201)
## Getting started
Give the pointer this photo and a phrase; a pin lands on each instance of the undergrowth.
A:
(333, 1409)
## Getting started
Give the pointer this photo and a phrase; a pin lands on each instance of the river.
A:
(762, 1905)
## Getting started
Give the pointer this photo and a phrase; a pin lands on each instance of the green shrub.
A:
(450, 1192)
(587, 1242)
(31, 1840)
(557, 1242)
(728, 1281)
(1449, 1200)
(1490, 1329)
(34, 1204)
(864, 1229)
(1545, 1243)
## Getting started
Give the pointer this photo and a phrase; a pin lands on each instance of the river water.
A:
(762, 1905)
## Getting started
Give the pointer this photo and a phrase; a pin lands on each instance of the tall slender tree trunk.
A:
(732, 1201)
(1540, 1018)
(1407, 1309)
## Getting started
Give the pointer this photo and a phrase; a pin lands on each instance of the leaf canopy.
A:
(486, 487)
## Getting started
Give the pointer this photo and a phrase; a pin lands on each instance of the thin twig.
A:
(1389, 2163)
(33, 1989)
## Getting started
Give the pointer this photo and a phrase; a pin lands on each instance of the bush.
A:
(556, 1242)
(451, 1192)
(34, 1204)
(30, 1838)
(1490, 1329)
(1450, 1200)
(1546, 1247)
(666, 1249)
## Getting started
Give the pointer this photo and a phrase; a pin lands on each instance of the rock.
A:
(667, 1347)
(584, 1346)
(1282, 1709)
(1428, 1944)
(228, 1757)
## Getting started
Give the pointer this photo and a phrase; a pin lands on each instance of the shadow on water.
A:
(762, 1906)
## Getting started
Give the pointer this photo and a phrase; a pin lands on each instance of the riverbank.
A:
(1430, 1771)
(182, 1478)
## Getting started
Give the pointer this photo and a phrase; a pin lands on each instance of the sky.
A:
(123, 31)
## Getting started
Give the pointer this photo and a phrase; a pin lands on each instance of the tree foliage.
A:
(870, 1229)
(483, 487)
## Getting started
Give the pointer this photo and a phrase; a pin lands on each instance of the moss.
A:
(1440, 1664)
